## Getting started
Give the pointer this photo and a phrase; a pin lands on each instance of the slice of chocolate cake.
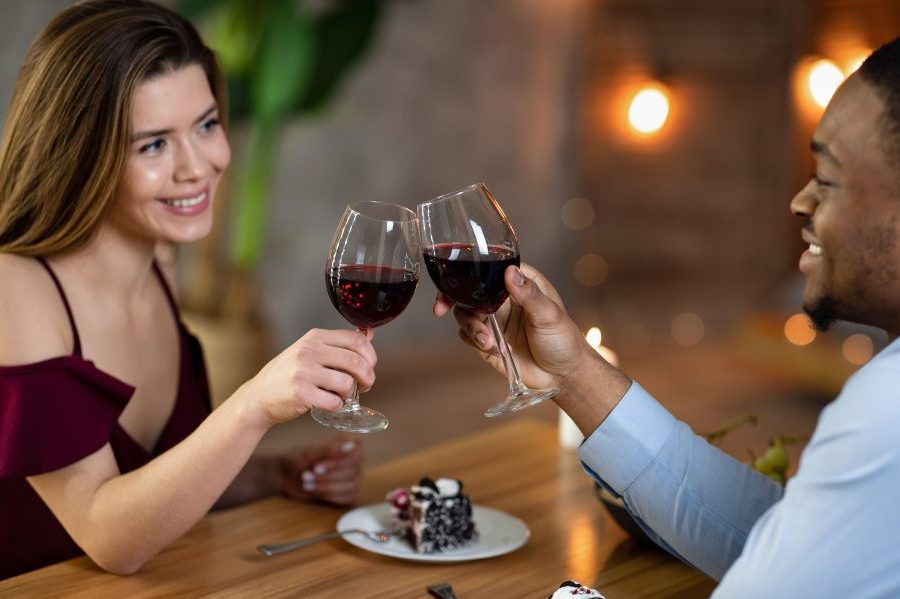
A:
(435, 515)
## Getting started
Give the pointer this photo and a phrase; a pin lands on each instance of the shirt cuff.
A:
(622, 447)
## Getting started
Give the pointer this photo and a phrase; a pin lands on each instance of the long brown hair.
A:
(67, 135)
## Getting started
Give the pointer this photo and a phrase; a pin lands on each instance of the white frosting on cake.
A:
(571, 589)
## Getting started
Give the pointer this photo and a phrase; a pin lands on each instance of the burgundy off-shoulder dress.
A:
(58, 411)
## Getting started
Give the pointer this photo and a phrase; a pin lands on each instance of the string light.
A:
(823, 80)
(649, 109)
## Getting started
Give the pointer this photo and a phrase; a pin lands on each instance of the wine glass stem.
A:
(351, 404)
(512, 373)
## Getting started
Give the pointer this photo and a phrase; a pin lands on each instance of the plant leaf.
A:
(283, 64)
(193, 9)
(234, 34)
(343, 35)
(253, 186)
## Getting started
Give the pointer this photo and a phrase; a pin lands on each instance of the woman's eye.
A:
(154, 146)
(209, 124)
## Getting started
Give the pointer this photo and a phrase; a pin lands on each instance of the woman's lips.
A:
(188, 206)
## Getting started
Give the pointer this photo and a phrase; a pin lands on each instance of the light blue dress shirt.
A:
(833, 531)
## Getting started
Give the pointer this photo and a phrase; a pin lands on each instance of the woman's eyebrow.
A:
(158, 132)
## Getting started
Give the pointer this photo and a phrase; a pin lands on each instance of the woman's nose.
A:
(191, 165)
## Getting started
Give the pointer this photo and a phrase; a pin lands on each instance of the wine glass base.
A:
(361, 420)
(520, 401)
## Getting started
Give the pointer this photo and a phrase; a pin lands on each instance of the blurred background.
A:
(645, 150)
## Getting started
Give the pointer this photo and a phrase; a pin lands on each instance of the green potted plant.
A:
(283, 60)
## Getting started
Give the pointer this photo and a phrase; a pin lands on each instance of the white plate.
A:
(498, 533)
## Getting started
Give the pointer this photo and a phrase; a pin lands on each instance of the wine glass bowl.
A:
(468, 243)
(371, 275)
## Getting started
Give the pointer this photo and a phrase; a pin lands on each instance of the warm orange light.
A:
(593, 337)
(798, 331)
(852, 58)
(823, 80)
(649, 109)
(582, 547)
(857, 349)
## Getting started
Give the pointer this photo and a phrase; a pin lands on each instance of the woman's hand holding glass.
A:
(371, 274)
(316, 371)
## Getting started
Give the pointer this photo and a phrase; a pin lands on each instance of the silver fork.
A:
(378, 536)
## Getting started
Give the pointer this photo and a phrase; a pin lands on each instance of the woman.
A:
(112, 149)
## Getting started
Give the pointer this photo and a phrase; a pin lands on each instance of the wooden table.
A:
(517, 467)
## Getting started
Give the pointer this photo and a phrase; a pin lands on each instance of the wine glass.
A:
(467, 245)
(371, 274)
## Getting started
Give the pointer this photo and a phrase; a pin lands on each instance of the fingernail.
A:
(307, 477)
(482, 339)
(319, 469)
(518, 277)
(347, 446)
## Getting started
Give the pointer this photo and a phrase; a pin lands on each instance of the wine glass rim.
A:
(450, 194)
(404, 214)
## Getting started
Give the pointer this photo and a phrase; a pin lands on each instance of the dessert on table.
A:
(570, 589)
(434, 516)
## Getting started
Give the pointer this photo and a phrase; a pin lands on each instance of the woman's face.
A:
(177, 153)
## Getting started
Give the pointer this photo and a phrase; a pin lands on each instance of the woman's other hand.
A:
(328, 472)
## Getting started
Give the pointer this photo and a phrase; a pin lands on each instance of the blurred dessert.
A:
(570, 588)
(434, 515)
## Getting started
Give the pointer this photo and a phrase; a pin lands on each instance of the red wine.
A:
(471, 279)
(370, 295)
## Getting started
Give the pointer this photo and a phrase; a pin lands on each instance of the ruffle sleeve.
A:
(54, 413)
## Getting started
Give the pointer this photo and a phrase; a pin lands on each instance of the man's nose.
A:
(804, 203)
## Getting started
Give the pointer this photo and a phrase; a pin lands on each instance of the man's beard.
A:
(821, 314)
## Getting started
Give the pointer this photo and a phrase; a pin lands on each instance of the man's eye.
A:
(819, 181)
(153, 146)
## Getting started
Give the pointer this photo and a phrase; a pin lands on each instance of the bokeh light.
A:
(577, 214)
(594, 336)
(591, 270)
(852, 58)
(823, 80)
(798, 331)
(687, 329)
(857, 349)
(649, 109)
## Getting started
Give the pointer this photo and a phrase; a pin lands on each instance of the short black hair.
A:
(882, 71)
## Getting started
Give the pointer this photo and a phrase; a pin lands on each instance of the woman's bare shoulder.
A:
(33, 321)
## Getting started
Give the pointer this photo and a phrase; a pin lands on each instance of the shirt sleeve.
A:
(693, 499)
(54, 413)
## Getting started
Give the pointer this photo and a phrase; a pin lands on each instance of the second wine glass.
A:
(371, 274)
(468, 244)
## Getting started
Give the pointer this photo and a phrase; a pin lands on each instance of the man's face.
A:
(852, 212)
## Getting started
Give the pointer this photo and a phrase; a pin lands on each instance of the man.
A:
(834, 530)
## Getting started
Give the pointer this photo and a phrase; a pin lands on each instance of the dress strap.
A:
(169, 296)
(76, 350)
